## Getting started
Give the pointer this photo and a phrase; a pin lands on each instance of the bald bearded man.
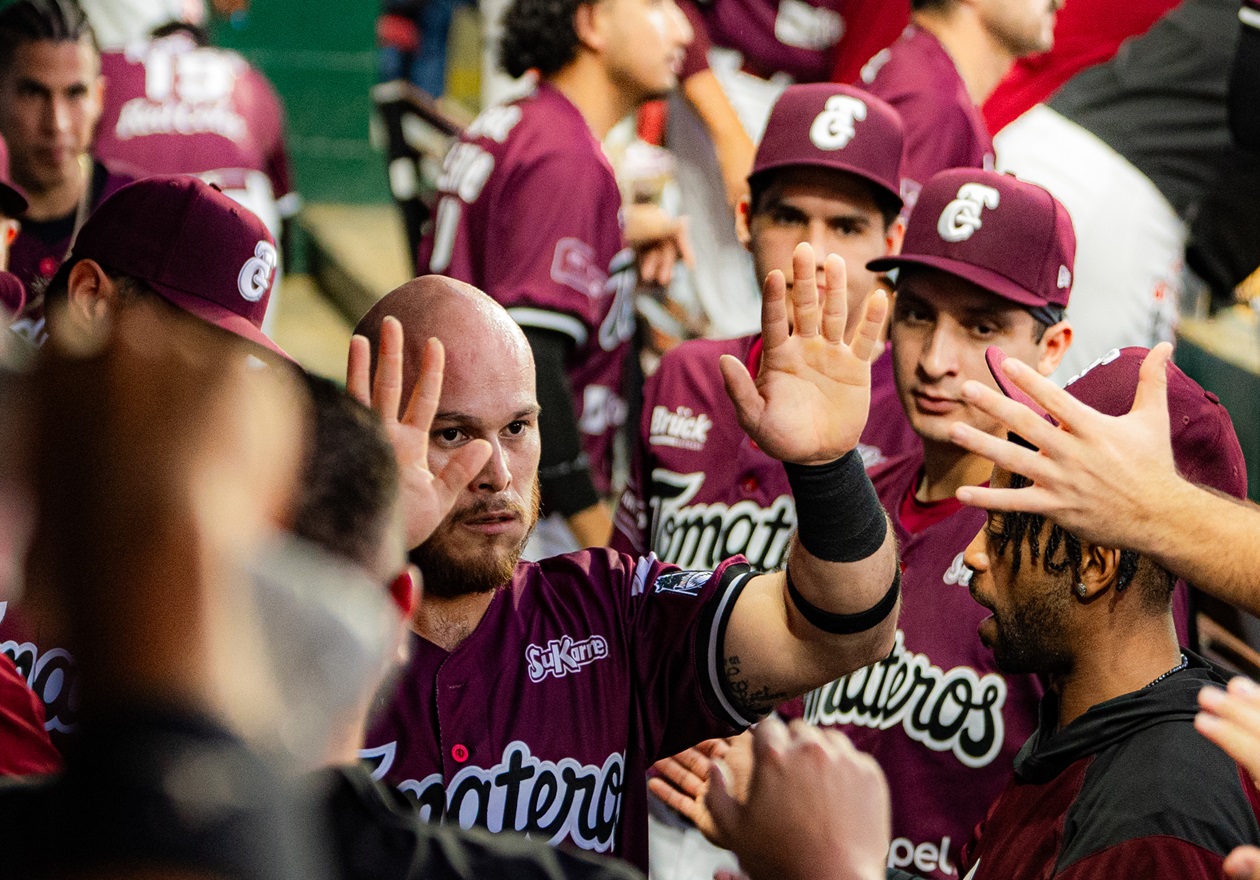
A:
(539, 693)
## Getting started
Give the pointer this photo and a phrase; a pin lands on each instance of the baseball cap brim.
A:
(218, 316)
(842, 167)
(995, 357)
(12, 201)
(991, 281)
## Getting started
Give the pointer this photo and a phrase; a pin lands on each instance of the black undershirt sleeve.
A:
(564, 471)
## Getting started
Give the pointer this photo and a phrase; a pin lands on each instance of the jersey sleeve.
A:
(676, 626)
(696, 57)
(548, 257)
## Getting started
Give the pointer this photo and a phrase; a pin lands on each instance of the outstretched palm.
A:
(810, 399)
(426, 497)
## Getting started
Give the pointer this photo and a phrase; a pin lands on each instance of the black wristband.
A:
(838, 514)
(845, 624)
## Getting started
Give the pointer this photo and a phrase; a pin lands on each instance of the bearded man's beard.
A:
(450, 573)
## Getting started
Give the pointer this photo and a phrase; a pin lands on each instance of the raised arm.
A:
(1112, 481)
(834, 608)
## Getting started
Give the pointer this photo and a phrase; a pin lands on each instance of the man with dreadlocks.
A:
(1115, 782)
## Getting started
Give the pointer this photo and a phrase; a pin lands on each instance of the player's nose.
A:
(495, 475)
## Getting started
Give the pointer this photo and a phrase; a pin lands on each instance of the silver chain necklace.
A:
(1180, 666)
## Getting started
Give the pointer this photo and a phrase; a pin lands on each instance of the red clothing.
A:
(1085, 34)
(874, 25)
(25, 748)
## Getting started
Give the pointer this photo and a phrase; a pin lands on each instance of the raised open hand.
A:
(427, 497)
(810, 399)
(1093, 474)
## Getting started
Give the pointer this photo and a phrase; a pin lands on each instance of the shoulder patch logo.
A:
(573, 264)
(837, 124)
(685, 583)
(559, 657)
(961, 217)
(680, 427)
(255, 276)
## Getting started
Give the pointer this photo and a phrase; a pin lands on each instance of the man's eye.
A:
(517, 428)
(450, 435)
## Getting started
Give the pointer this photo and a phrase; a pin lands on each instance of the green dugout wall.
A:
(320, 55)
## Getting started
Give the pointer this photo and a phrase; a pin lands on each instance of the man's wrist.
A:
(839, 517)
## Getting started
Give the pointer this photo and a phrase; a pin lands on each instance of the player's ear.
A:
(1100, 571)
(90, 293)
(1054, 345)
(589, 27)
(894, 236)
(743, 222)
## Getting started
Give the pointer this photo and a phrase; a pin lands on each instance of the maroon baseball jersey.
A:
(796, 37)
(172, 107)
(944, 129)
(585, 670)
(41, 247)
(24, 745)
(700, 490)
(49, 672)
(529, 212)
(943, 722)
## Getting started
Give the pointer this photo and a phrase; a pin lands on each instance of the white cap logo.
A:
(835, 126)
(961, 217)
(255, 277)
(1065, 278)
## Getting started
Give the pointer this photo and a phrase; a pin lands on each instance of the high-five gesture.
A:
(810, 399)
(427, 497)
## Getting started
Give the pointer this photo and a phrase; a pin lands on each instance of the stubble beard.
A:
(1030, 638)
(449, 575)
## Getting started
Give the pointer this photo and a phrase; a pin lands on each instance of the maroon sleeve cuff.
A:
(697, 57)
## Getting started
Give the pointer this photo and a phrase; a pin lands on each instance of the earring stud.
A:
(1081, 589)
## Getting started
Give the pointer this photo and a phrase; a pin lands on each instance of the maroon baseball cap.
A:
(12, 294)
(197, 249)
(12, 199)
(1001, 233)
(1204, 444)
(824, 125)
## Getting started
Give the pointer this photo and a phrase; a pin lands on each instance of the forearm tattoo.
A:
(750, 699)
